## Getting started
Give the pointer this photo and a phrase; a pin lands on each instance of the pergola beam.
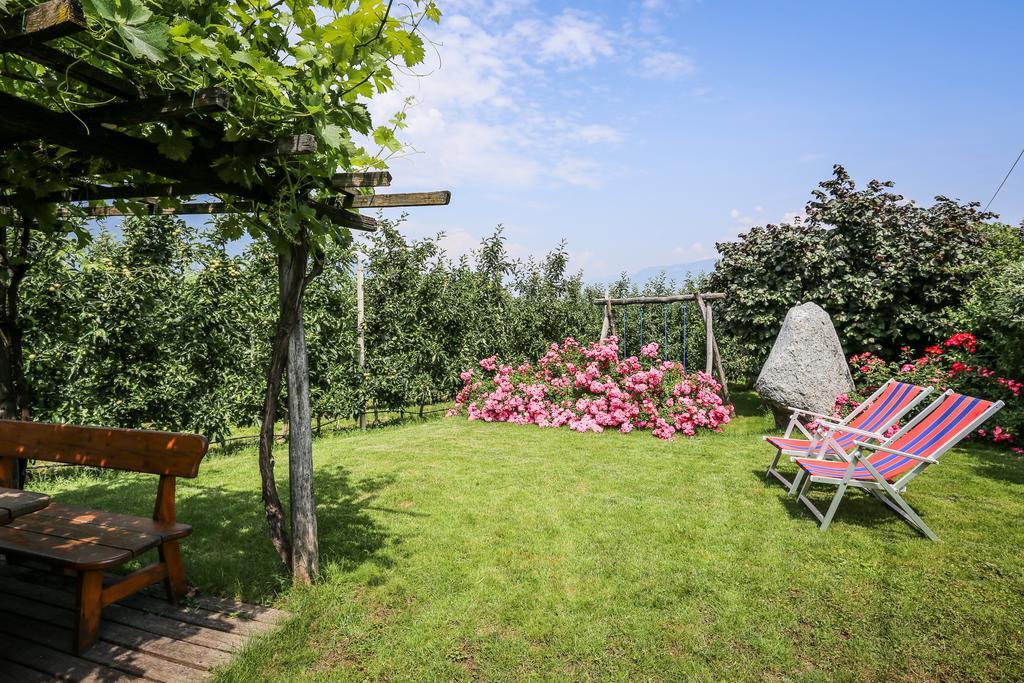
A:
(400, 200)
(29, 119)
(344, 181)
(288, 146)
(50, 20)
(161, 108)
(83, 72)
(396, 200)
(343, 217)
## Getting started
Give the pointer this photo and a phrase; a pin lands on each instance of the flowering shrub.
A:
(952, 364)
(589, 388)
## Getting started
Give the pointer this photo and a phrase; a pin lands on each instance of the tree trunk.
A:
(14, 390)
(305, 550)
(290, 276)
(292, 280)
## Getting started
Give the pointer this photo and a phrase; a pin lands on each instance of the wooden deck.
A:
(141, 638)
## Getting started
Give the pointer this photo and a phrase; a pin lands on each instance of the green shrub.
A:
(890, 273)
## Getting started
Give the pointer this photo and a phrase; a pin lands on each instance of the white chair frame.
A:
(823, 443)
(879, 487)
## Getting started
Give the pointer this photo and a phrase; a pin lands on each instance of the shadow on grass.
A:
(748, 404)
(229, 551)
(857, 507)
(997, 464)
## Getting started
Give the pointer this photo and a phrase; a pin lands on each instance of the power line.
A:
(996, 193)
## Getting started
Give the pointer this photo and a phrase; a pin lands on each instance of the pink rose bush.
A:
(956, 363)
(590, 389)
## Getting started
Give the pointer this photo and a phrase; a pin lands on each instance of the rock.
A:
(807, 367)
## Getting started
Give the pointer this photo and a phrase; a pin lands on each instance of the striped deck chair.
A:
(835, 441)
(885, 469)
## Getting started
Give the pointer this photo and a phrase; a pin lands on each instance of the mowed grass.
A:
(457, 551)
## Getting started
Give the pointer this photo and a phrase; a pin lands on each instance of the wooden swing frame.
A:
(704, 301)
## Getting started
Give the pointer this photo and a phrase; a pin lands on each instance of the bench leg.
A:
(170, 555)
(88, 606)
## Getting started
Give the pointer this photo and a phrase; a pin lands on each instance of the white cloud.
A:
(793, 216)
(740, 218)
(575, 41)
(597, 132)
(666, 64)
(476, 116)
(580, 172)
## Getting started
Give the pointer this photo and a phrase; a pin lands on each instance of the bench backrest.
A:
(135, 450)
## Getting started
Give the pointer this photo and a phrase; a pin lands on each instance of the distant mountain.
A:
(678, 272)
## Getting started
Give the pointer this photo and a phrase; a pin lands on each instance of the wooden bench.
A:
(84, 543)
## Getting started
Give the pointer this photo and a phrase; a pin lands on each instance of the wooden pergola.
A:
(96, 133)
(106, 169)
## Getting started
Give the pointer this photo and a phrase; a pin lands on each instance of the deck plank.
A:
(142, 637)
(160, 625)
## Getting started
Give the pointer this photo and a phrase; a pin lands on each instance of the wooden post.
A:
(714, 355)
(305, 548)
(607, 312)
(360, 332)
(709, 338)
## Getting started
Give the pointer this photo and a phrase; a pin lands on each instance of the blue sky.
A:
(643, 132)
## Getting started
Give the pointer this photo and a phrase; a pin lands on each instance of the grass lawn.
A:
(457, 550)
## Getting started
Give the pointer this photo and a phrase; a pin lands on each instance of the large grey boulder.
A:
(807, 367)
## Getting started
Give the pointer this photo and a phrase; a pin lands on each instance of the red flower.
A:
(964, 340)
(934, 350)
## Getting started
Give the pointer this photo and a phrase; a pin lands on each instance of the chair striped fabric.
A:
(871, 418)
(887, 470)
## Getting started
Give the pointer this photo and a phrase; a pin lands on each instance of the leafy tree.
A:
(994, 306)
(889, 272)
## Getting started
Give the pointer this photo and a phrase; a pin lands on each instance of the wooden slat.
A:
(83, 72)
(16, 673)
(134, 582)
(290, 145)
(134, 450)
(369, 179)
(125, 539)
(47, 21)
(398, 199)
(179, 651)
(15, 502)
(162, 108)
(63, 552)
(72, 514)
(31, 121)
(267, 615)
(59, 665)
(236, 621)
(343, 217)
(674, 298)
(146, 621)
(131, 662)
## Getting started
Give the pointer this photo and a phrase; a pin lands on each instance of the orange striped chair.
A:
(885, 469)
(835, 440)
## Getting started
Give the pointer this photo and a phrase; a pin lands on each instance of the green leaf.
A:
(176, 146)
(331, 135)
(149, 41)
